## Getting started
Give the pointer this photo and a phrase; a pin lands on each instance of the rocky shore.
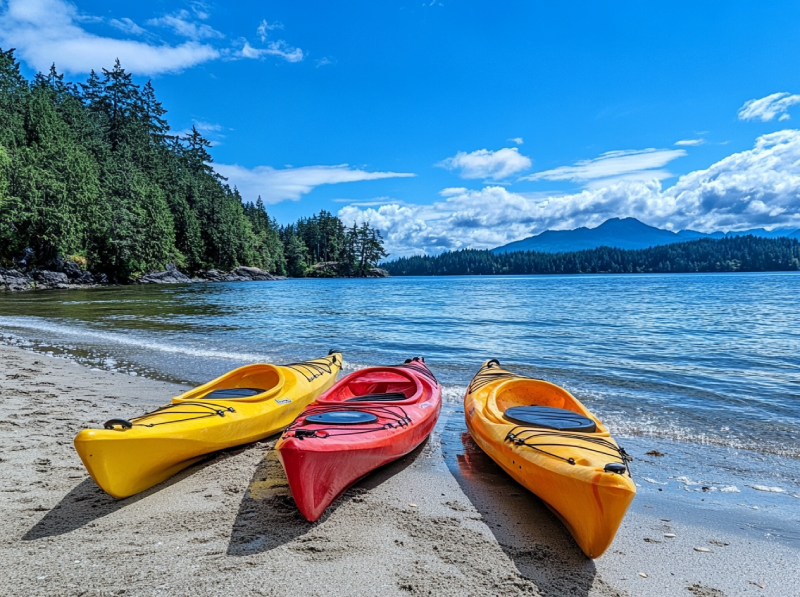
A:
(64, 274)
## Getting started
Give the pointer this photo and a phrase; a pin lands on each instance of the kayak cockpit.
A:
(538, 403)
(386, 385)
(252, 383)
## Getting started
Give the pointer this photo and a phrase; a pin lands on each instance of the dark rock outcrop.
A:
(332, 269)
(240, 274)
(50, 279)
(15, 280)
(170, 276)
(253, 273)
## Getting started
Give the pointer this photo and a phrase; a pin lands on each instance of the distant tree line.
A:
(90, 171)
(735, 254)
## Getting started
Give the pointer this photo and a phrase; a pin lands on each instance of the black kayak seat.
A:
(232, 393)
(385, 397)
(342, 417)
(549, 417)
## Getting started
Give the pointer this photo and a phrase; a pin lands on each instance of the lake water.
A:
(708, 362)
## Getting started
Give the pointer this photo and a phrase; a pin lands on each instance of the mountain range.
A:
(623, 233)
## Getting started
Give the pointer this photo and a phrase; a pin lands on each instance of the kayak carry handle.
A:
(614, 467)
(332, 351)
(124, 423)
(492, 363)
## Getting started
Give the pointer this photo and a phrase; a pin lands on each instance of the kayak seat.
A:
(383, 397)
(548, 417)
(232, 393)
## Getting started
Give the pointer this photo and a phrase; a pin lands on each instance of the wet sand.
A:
(442, 521)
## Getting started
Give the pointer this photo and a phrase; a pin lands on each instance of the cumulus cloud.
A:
(44, 30)
(487, 164)
(759, 187)
(517, 140)
(276, 185)
(767, 108)
(615, 166)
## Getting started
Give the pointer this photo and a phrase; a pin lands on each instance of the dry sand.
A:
(228, 526)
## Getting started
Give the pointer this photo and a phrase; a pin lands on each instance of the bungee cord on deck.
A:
(314, 368)
(395, 420)
(526, 435)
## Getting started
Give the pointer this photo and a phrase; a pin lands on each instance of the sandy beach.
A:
(434, 523)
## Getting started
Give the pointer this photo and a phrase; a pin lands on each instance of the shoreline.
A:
(228, 525)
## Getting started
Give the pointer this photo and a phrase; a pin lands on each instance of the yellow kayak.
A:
(551, 444)
(242, 406)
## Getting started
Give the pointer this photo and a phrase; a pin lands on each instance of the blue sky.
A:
(452, 124)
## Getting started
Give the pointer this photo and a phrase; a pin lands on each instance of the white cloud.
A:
(44, 31)
(276, 185)
(690, 142)
(126, 25)
(450, 191)
(274, 48)
(265, 26)
(615, 166)
(182, 23)
(517, 140)
(487, 164)
(767, 108)
(755, 188)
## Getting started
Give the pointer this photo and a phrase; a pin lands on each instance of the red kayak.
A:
(367, 419)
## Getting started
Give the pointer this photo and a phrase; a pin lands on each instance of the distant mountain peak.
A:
(621, 233)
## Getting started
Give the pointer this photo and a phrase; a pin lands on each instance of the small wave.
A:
(653, 481)
(13, 322)
(730, 489)
(767, 489)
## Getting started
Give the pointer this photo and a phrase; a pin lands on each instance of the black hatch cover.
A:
(550, 418)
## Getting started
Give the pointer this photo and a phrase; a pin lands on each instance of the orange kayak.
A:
(543, 437)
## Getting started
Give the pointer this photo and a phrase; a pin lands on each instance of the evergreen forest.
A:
(734, 254)
(91, 172)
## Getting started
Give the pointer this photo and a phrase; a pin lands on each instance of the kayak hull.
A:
(321, 467)
(125, 460)
(566, 470)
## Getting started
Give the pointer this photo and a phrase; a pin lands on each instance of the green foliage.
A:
(92, 170)
(324, 238)
(741, 253)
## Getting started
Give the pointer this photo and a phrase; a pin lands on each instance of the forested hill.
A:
(91, 172)
(737, 254)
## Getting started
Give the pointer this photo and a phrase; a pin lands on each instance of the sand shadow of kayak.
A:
(268, 516)
(86, 503)
(541, 548)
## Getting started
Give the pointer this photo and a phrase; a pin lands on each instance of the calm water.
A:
(712, 359)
